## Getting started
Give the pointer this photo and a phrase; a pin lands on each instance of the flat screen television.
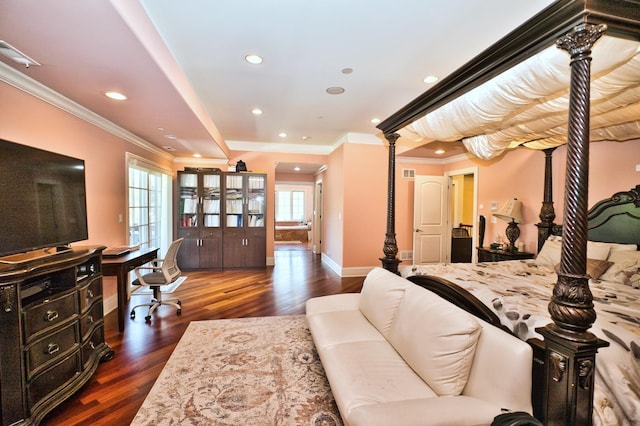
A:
(42, 200)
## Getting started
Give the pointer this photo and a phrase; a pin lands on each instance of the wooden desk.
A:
(120, 267)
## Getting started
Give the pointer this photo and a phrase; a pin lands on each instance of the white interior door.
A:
(431, 230)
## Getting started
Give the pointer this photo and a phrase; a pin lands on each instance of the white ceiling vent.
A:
(408, 173)
(15, 55)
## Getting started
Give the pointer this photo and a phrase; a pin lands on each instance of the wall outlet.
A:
(637, 167)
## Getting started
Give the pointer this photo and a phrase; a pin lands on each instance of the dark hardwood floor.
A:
(116, 391)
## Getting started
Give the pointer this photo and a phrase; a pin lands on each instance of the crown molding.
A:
(38, 90)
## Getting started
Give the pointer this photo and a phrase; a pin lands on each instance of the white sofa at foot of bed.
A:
(397, 354)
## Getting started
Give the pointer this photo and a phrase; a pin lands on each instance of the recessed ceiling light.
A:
(296, 168)
(256, 111)
(253, 59)
(282, 135)
(115, 95)
(430, 79)
(347, 70)
(197, 155)
(375, 120)
(335, 90)
(170, 136)
(304, 138)
(439, 151)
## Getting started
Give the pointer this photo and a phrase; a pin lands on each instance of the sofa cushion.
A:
(381, 294)
(436, 338)
(334, 328)
(365, 373)
(457, 410)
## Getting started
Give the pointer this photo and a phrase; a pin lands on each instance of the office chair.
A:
(163, 272)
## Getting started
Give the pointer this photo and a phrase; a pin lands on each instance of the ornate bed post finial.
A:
(390, 249)
(568, 390)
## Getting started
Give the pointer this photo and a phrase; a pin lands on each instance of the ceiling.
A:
(190, 90)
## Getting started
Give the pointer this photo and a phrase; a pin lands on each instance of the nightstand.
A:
(495, 255)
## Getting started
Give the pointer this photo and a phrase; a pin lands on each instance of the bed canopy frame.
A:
(574, 26)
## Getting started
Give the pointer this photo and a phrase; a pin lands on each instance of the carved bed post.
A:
(547, 212)
(390, 249)
(570, 349)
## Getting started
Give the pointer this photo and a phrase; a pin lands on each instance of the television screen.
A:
(42, 199)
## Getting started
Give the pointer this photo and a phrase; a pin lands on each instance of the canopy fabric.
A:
(527, 105)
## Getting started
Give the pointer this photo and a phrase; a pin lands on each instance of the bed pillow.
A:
(437, 339)
(623, 247)
(550, 252)
(595, 268)
(597, 250)
(625, 265)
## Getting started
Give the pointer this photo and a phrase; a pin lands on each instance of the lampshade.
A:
(511, 211)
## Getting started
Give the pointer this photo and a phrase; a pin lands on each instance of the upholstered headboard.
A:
(616, 219)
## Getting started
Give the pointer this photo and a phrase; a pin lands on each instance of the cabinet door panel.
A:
(211, 251)
(256, 252)
(189, 254)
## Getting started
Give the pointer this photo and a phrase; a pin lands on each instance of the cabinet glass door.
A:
(188, 205)
(234, 201)
(255, 201)
(211, 201)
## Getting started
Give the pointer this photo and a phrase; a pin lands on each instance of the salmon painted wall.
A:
(364, 215)
(29, 121)
(333, 208)
(520, 173)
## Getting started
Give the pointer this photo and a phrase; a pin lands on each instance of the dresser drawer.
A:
(90, 319)
(93, 343)
(47, 350)
(49, 313)
(50, 380)
(90, 293)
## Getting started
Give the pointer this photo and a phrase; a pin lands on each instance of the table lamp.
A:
(512, 213)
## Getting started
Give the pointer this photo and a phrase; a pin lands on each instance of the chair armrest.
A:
(145, 268)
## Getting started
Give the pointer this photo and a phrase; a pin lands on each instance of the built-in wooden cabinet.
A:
(244, 232)
(222, 218)
(199, 220)
(52, 331)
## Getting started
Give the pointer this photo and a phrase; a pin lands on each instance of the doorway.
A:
(442, 203)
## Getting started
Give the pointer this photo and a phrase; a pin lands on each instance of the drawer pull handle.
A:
(51, 316)
(92, 345)
(89, 294)
(90, 318)
(52, 348)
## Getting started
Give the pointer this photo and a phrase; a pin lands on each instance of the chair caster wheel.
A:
(179, 311)
(133, 314)
(147, 318)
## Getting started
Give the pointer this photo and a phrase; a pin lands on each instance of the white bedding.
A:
(519, 293)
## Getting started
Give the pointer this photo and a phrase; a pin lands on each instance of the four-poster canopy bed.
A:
(515, 94)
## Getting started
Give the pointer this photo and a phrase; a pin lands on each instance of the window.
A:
(290, 206)
(149, 205)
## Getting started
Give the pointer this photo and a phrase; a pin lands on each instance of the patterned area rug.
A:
(248, 371)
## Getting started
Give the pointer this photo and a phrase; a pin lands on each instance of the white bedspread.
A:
(519, 293)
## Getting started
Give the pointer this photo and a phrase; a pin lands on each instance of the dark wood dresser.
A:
(52, 331)
(495, 255)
